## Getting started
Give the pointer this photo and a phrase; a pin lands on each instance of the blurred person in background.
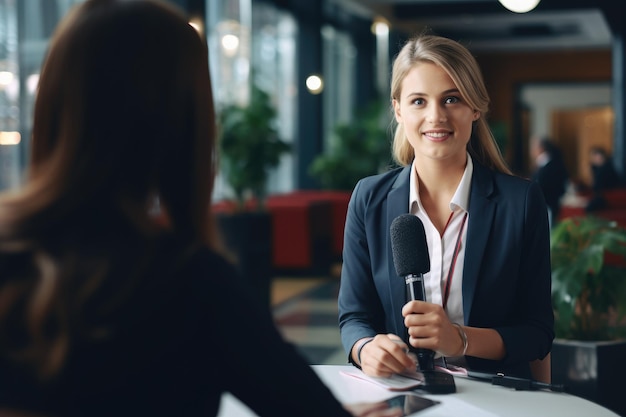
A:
(550, 173)
(112, 304)
(604, 177)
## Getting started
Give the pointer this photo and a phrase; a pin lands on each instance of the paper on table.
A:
(393, 383)
(452, 370)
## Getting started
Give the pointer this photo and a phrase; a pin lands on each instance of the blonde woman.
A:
(488, 303)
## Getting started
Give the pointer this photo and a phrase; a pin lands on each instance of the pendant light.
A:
(519, 6)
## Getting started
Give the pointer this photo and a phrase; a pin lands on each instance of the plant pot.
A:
(248, 236)
(592, 370)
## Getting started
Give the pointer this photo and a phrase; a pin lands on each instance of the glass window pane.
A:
(254, 39)
(25, 29)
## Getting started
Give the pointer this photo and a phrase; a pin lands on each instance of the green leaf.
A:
(250, 146)
(359, 149)
(588, 294)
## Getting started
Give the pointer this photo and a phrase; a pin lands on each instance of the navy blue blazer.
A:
(506, 275)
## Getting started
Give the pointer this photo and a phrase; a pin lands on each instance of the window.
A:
(256, 41)
(25, 29)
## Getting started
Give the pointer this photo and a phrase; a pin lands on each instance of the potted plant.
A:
(588, 257)
(250, 148)
(359, 149)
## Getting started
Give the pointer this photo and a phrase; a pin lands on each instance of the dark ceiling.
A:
(487, 26)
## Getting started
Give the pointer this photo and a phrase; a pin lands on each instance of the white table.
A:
(473, 399)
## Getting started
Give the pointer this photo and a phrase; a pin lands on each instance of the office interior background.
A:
(557, 70)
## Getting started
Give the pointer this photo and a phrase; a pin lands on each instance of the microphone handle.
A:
(415, 291)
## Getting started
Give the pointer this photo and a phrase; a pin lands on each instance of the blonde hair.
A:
(463, 69)
(123, 117)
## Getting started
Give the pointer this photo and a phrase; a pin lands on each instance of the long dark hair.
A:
(123, 128)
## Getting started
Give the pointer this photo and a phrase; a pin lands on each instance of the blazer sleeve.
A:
(360, 310)
(530, 334)
(513, 283)
(239, 349)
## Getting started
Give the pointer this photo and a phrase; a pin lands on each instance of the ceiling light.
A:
(9, 138)
(315, 84)
(230, 43)
(519, 6)
(6, 78)
(380, 26)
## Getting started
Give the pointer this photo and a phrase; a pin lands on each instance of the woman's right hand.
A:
(385, 355)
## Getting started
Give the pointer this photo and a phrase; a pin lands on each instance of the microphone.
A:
(411, 261)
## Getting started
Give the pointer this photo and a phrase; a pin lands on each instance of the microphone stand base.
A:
(437, 382)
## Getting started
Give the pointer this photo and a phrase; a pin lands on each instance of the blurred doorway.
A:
(575, 116)
(576, 131)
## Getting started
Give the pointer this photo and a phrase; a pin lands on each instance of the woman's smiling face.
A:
(437, 121)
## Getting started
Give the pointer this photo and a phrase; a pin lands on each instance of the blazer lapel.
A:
(397, 204)
(482, 209)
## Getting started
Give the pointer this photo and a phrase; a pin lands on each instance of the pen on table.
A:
(525, 384)
(398, 342)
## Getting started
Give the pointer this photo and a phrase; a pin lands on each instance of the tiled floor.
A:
(309, 320)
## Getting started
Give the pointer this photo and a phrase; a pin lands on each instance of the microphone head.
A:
(409, 247)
